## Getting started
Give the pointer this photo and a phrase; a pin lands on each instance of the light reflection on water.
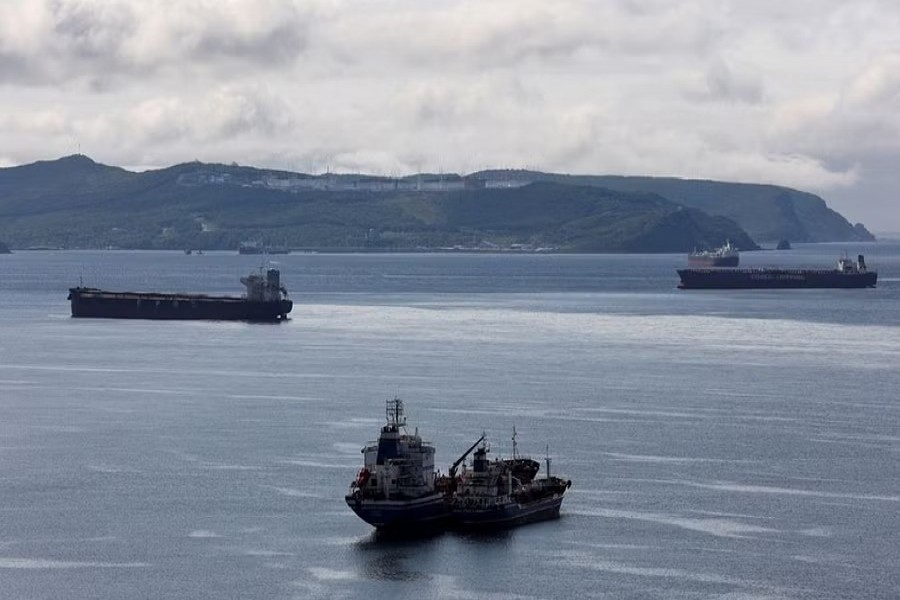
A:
(741, 445)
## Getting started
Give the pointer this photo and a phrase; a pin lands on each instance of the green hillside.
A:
(766, 212)
(77, 203)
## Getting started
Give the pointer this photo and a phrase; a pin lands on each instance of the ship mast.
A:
(394, 413)
(515, 444)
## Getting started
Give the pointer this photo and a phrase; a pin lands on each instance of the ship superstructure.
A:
(724, 256)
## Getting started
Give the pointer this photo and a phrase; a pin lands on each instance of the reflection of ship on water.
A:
(260, 248)
(505, 492)
(397, 488)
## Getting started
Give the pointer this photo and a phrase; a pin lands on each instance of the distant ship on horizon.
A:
(847, 274)
(258, 248)
(265, 300)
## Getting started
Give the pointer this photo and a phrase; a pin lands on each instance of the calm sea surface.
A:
(738, 445)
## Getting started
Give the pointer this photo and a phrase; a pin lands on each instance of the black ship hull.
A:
(94, 303)
(401, 515)
(509, 514)
(719, 279)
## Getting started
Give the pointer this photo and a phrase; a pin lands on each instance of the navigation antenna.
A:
(515, 444)
(394, 412)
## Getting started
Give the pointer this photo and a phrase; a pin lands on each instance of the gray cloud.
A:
(92, 32)
(802, 93)
(54, 42)
(726, 84)
(476, 34)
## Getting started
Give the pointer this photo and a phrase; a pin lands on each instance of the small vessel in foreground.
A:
(847, 274)
(397, 488)
(725, 256)
(505, 492)
(266, 300)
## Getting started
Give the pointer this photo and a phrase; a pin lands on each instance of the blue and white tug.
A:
(397, 488)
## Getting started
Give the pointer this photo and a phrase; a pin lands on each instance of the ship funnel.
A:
(480, 461)
(273, 278)
(861, 262)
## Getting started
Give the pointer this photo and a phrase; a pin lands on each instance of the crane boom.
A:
(463, 457)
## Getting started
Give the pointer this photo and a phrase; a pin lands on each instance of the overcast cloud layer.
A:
(804, 93)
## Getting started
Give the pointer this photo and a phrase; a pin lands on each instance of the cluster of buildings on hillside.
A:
(287, 182)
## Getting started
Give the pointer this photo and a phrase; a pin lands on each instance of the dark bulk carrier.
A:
(847, 274)
(397, 488)
(265, 300)
(726, 256)
(505, 492)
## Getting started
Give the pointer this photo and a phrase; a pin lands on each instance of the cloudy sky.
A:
(804, 93)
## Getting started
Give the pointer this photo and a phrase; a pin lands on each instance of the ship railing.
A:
(476, 503)
(765, 270)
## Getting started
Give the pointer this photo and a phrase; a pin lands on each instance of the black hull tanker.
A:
(846, 275)
(511, 513)
(266, 300)
(504, 493)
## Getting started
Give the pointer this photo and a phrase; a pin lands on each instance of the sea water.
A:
(722, 444)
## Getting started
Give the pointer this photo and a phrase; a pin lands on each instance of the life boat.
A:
(362, 478)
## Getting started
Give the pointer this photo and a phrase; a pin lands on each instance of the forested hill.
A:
(75, 202)
(766, 212)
